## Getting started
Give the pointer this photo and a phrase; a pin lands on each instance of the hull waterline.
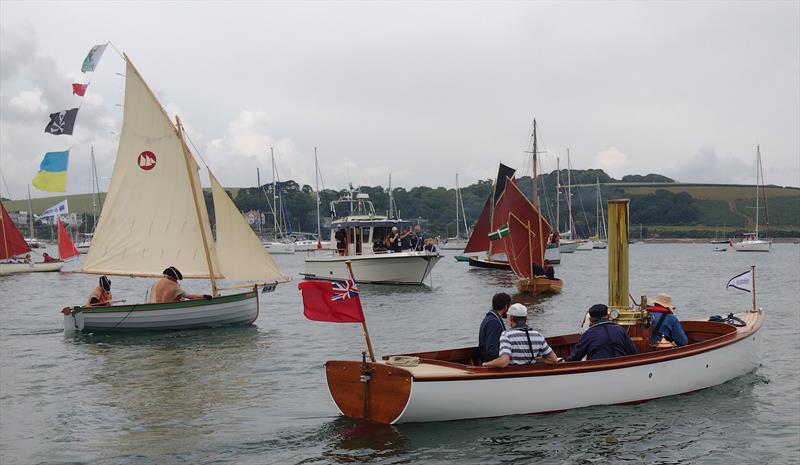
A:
(13, 268)
(389, 268)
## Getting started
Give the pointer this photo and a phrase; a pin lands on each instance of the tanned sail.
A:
(66, 249)
(479, 239)
(528, 231)
(13, 242)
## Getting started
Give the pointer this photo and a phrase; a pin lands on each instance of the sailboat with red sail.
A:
(487, 222)
(66, 248)
(14, 247)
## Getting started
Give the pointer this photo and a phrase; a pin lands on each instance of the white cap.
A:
(394, 228)
(518, 310)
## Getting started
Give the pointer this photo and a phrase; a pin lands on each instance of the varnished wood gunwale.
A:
(726, 335)
(540, 285)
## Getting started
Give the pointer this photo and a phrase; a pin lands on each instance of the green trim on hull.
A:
(165, 305)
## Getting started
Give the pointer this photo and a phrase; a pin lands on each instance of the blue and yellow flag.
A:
(52, 176)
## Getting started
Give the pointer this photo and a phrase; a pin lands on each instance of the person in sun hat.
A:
(101, 295)
(521, 345)
(167, 288)
(603, 339)
(664, 323)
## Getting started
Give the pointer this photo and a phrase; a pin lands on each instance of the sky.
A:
(421, 90)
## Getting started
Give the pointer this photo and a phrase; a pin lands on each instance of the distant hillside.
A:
(664, 208)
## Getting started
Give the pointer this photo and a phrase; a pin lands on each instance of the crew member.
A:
(101, 295)
(167, 289)
(47, 258)
(665, 324)
(492, 327)
(521, 345)
(603, 339)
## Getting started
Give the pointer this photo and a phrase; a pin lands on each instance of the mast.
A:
(30, 213)
(558, 194)
(206, 249)
(94, 192)
(258, 181)
(569, 199)
(391, 198)
(316, 188)
(274, 193)
(463, 213)
(758, 159)
(764, 193)
(543, 244)
(456, 236)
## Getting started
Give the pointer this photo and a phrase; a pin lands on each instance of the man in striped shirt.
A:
(521, 345)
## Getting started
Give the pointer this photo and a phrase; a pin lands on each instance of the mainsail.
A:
(528, 231)
(479, 239)
(154, 215)
(13, 242)
(239, 252)
(66, 249)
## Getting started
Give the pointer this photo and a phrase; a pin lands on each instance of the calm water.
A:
(257, 394)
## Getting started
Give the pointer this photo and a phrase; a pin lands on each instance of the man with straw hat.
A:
(667, 330)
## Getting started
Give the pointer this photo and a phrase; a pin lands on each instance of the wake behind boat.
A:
(444, 385)
(139, 233)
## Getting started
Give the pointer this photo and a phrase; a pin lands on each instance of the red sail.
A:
(528, 231)
(479, 239)
(66, 249)
(13, 243)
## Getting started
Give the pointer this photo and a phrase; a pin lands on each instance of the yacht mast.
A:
(316, 188)
(456, 236)
(758, 164)
(558, 194)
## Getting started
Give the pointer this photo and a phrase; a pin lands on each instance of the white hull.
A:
(568, 246)
(751, 246)
(553, 255)
(599, 244)
(309, 245)
(279, 247)
(389, 268)
(12, 268)
(454, 244)
(83, 247)
(585, 246)
(237, 309)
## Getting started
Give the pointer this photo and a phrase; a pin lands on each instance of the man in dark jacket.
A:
(492, 327)
(603, 339)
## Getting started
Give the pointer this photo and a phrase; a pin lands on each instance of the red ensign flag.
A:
(79, 89)
(337, 302)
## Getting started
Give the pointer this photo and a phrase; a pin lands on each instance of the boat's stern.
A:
(370, 391)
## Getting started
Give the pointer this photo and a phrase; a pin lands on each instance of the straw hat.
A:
(665, 300)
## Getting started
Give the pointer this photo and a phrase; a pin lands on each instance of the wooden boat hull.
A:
(488, 263)
(13, 268)
(540, 285)
(442, 390)
(234, 309)
(386, 268)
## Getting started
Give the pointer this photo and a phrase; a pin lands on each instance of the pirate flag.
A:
(61, 122)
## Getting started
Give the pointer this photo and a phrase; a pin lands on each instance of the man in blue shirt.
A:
(521, 345)
(492, 327)
(665, 323)
(603, 339)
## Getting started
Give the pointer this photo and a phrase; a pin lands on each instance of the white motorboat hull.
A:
(310, 245)
(83, 247)
(446, 391)
(388, 268)
(12, 268)
(568, 246)
(599, 244)
(553, 255)
(751, 246)
(279, 247)
(235, 309)
(585, 246)
(454, 244)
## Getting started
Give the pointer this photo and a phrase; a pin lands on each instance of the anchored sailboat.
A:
(155, 217)
(14, 247)
(457, 242)
(750, 241)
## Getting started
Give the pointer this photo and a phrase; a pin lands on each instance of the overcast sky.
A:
(419, 90)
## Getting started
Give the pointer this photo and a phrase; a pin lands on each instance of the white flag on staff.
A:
(61, 208)
(743, 282)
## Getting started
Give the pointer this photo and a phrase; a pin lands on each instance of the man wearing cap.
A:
(603, 339)
(521, 345)
(665, 324)
(167, 289)
(492, 327)
(101, 295)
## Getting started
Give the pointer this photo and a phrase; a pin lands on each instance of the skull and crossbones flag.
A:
(62, 122)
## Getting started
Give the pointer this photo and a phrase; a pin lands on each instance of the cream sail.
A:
(154, 215)
(239, 252)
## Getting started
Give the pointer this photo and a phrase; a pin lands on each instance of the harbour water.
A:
(255, 395)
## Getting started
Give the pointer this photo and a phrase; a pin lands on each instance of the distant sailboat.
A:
(66, 249)
(599, 239)
(155, 217)
(14, 247)
(750, 241)
(487, 222)
(457, 242)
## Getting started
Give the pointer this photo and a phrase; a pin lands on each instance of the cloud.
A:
(706, 166)
(613, 162)
(28, 101)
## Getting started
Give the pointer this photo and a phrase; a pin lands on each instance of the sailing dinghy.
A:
(452, 385)
(14, 247)
(487, 222)
(155, 217)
